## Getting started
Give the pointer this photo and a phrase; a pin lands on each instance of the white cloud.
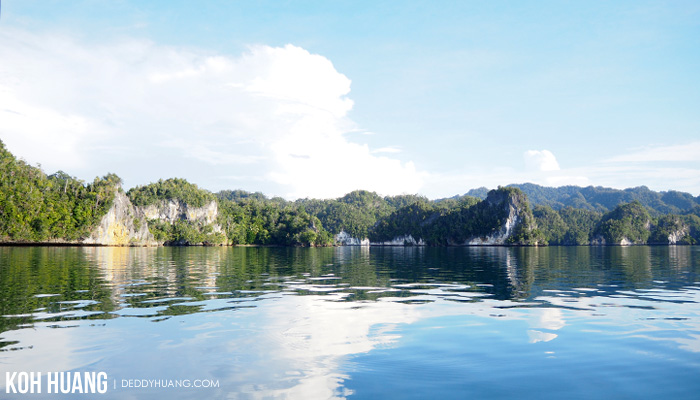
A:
(388, 149)
(672, 153)
(147, 111)
(540, 160)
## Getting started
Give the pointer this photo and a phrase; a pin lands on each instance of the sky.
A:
(316, 98)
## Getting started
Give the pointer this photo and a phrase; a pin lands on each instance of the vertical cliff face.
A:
(176, 210)
(502, 235)
(121, 226)
(127, 225)
(504, 218)
(672, 229)
(344, 239)
(677, 236)
(406, 240)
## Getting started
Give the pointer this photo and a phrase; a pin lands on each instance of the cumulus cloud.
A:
(540, 160)
(277, 115)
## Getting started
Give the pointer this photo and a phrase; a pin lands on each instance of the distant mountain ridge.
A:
(598, 198)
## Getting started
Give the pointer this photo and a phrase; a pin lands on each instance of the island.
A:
(57, 209)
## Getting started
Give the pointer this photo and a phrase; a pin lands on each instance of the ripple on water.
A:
(378, 324)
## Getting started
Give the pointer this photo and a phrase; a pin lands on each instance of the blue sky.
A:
(317, 98)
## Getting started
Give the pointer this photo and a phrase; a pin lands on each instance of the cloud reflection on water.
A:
(293, 323)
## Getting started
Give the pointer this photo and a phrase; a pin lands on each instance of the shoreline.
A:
(80, 244)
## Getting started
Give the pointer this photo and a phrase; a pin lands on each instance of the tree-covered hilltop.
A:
(628, 223)
(597, 198)
(503, 217)
(416, 219)
(35, 207)
(242, 218)
(182, 230)
(261, 221)
(170, 189)
(355, 213)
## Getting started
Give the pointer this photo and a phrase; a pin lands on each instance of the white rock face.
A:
(118, 228)
(175, 210)
(675, 237)
(501, 236)
(625, 242)
(406, 240)
(344, 239)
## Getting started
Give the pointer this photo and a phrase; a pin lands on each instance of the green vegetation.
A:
(182, 231)
(355, 213)
(482, 219)
(672, 225)
(38, 208)
(456, 221)
(580, 225)
(170, 189)
(35, 207)
(251, 220)
(551, 224)
(603, 199)
(185, 233)
(245, 218)
(629, 222)
(416, 219)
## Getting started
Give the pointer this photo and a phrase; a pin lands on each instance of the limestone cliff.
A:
(175, 210)
(505, 231)
(344, 239)
(671, 229)
(127, 225)
(121, 226)
(406, 240)
(678, 236)
(503, 218)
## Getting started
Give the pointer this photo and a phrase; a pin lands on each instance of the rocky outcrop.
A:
(176, 210)
(624, 241)
(406, 240)
(127, 225)
(344, 239)
(121, 226)
(676, 236)
(512, 222)
(503, 218)
(671, 229)
(501, 237)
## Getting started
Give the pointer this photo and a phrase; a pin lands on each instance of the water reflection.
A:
(311, 323)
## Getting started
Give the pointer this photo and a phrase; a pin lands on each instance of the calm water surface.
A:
(358, 323)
